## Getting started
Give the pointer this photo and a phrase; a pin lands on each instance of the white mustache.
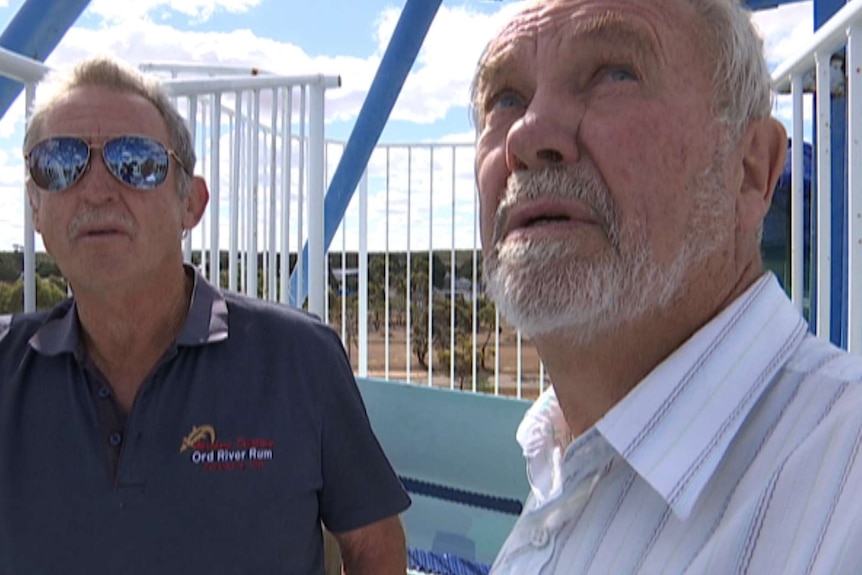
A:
(100, 219)
(567, 183)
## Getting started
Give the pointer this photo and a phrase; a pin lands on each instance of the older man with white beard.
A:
(625, 162)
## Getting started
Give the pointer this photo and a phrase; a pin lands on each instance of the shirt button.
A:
(539, 537)
(114, 439)
(104, 392)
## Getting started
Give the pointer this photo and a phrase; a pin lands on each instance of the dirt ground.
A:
(508, 380)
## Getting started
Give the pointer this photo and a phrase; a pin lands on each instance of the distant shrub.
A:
(48, 294)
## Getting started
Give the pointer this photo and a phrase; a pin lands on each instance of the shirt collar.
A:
(674, 428)
(207, 321)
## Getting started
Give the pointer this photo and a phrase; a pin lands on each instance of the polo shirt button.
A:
(115, 439)
(539, 537)
(104, 392)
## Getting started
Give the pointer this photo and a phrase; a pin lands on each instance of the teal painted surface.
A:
(456, 439)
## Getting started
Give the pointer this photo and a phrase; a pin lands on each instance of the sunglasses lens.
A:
(136, 161)
(57, 163)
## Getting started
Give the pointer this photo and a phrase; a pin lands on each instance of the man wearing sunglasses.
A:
(152, 423)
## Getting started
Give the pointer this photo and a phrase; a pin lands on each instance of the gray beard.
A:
(547, 286)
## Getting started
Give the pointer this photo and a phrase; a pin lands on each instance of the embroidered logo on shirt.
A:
(198, 434)
(236, 455)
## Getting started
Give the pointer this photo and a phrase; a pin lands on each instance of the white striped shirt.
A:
(737, 454)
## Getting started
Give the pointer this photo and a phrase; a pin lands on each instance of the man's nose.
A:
(97, 184)
(546, 135)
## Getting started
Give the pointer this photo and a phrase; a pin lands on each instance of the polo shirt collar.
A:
(207, 321)
(674, 428)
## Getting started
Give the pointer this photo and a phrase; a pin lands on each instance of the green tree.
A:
(48, 294)
(11, 265)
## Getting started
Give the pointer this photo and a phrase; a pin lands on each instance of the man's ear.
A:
(196, 202)
(764, 148)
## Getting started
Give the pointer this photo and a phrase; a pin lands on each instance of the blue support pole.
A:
(35, 31)
(413, 25)
(823, 10)
(763, 4)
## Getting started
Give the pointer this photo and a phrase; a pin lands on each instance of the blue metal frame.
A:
(35, 31)
(823, 10)
(763, 4)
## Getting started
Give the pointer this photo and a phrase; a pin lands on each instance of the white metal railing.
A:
(271, 129)
(415, 215)
(844, 29)
(274, 133)
(28, 72)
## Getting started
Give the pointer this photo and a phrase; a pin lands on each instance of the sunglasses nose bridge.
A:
(98, 184)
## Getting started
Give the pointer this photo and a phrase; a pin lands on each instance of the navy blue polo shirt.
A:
(247, 434)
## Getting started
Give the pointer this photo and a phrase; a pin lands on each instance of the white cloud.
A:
(785, 29)
(441, 76)
(144, 41)
(114, 11)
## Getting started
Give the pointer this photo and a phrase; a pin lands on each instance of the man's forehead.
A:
(96, 106)
(643, 25)
(574, 17)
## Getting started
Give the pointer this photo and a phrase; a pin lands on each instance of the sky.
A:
(343, 37)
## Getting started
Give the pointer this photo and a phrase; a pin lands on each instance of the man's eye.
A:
(506, 99)
(620, 74)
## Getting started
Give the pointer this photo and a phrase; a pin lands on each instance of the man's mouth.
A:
(540, 214)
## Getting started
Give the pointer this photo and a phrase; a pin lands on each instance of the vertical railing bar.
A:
(253, 215)
(520, 360)
(386, 314)
(29, 229)
(409, 326)
(362, 320)
(263, 182)
(273, 197)
(475, 287)
(343, 279)
(205, 163)
(496, 351)
(247, 195)
(797, 198)
(316, 251)
(452, 274)
(235, 176)
(541, 377)
(854, 190)
(431, 269)
(300, 208)
(286, 186)
(824, 196)
(326, 263)
(192, 123)
(215, 188)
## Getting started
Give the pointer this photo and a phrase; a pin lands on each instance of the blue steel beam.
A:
(35, 31)
(413, 25)
(823, 10)
(763, 4)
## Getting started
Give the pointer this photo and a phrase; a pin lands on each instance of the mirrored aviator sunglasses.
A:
(139, 162)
